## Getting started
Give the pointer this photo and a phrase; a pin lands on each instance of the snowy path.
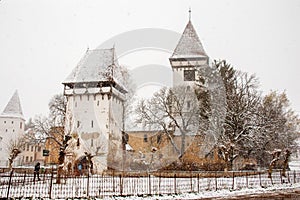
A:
(287, 191)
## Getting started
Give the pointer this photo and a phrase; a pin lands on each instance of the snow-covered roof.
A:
(95, 66)
(189, 44)
(13, 108)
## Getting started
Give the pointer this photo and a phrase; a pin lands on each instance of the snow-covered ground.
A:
(217, 194)
(152, 187)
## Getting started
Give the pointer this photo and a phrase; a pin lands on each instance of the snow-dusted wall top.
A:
(96, 65)
(189, 44)
(13, 108)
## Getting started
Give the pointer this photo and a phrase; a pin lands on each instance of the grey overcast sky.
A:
(42, 41)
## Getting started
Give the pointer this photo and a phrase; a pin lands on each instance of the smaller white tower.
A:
(12, 126)
(188, 61)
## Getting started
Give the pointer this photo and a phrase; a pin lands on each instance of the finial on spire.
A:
(190, 13)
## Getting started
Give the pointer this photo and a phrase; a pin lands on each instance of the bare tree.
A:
(15, 147)
(242, 100)
(52, 128)
(130, 99)
(254, 125)
(277, 127)
(175, 111)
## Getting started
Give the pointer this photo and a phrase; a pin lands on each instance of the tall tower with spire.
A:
(95, 99)
(12, 126)
(188, 55)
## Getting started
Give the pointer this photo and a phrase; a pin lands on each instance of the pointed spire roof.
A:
(13, 108)
(189, 44)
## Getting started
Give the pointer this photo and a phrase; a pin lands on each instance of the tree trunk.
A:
(286, 162)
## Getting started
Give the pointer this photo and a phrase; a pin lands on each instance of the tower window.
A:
(5, 130)
(92, 142)
(12, 122)
(92, 124)
(4, 122)
(94, 97)
(158, 139)
(189, 75)
(88, 97)
(80, 97)
(21, 125)
(145, 138)
(78, 124)
(98, 103)
(188, 104)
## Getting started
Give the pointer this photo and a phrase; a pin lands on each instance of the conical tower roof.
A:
(189, 44)
(13, 108)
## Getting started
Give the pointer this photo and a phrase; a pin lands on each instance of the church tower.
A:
(12, 126)
(95, 98)
(188, 55)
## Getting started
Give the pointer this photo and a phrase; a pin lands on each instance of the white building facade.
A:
(94, 120)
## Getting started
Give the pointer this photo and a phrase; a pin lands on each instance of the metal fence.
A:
(22, 184)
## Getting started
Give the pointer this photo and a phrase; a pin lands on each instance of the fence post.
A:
(198, 186)
(101, 188)
(159, 180)
(191, 181)
(247, 184)
(51, 181)
(9, 183)
(175, 189)
(44, 176)
(88, 184)
(113, 180)
(294, 176)
(149, 184)
(232, 180)
(216, 181)
(259, 175)
(121, 185)
(271, 179)
(24, 179)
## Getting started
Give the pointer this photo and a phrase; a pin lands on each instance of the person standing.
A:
(37, 171)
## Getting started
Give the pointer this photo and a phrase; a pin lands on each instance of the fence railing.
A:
(23, 184)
